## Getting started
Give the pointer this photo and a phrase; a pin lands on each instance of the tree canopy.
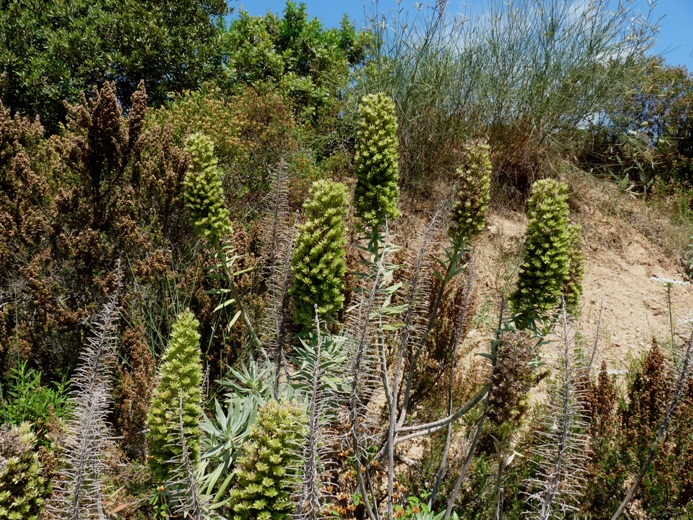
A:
(52, 50)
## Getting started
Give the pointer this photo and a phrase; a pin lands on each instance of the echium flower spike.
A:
(572, 287)
(319, 259)
(375, 162)
(204, 195)
(473, 194)
(265, 473)
(547, 252)
(180, 374)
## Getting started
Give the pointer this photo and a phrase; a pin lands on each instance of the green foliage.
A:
(375, 162)
(57, 49)
(524, 72)
(547, 252)
(648, 132)
(473, 194)
(204, 195)
(319, 257)
(181, 371)
(22, 488)
(24, 398)
(265, 475)
(292, 55)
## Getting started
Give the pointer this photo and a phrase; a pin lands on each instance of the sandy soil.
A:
(621, 262)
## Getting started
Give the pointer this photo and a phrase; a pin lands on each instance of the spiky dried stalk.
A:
(309, 502)
(563, 443)
(78, 493)
(411, 338)
(184, 483)
(451, 377)
(279, 237)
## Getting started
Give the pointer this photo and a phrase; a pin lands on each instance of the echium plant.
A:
(376, 161)
(266, 470)
(180, 375)
(546, 262)
(572, 286)
(319, 259)
(204, 195)
(204, 198)
(473, 194)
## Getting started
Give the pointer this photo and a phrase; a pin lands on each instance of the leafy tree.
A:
(647, 133)
(295, 55)
(53, 50)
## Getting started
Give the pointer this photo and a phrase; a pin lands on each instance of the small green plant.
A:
(22, 488)
(473, 194)
(265, 477)
(375, 162)
(24, 398)
(319, 259)
(181, 372)
(546, 253)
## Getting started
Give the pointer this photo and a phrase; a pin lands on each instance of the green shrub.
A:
(473, 194)
(204, 195)
(319, 259)
(181, 372)
(24, 398)
(547, 252)
(22, 488)
(265, 477)
(375, 162)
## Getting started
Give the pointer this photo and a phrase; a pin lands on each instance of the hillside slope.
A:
(626, 246)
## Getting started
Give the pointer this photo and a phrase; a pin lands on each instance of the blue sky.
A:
(674, 42)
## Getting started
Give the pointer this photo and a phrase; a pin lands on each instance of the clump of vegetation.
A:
(180, 375)
(22, 487)
(198, 201)
(319, 257)
(265, 474)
